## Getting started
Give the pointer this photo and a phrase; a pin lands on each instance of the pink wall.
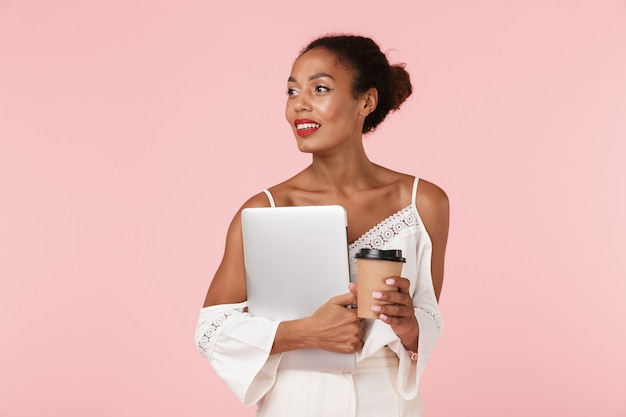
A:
(131, 131)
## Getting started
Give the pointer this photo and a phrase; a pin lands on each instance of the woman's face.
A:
(321, 109)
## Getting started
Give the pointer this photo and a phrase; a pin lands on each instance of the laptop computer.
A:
(296, 259)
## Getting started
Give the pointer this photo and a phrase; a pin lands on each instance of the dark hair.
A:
(371, 69)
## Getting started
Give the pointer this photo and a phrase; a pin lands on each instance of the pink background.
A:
(131, 131)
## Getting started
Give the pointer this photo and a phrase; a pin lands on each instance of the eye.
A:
(321, 89)
(292, 92)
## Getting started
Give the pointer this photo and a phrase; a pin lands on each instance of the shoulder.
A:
(431, 196)
(258, 200)
(433, 205)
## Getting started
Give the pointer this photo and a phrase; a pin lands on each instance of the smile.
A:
(306, 127)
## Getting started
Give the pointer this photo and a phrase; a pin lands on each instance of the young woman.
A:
(340, 87)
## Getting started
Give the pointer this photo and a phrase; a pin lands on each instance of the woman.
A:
(340, 87)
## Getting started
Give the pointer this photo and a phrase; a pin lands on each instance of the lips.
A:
(306, 127)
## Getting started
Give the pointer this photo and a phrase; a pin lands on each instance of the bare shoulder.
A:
(434, 208)
(234, 231)
(258, 200)
(431, 197)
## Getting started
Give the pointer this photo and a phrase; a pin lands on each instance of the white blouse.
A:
(238, 345)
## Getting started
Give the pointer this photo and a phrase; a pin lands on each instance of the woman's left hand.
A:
(399, 314)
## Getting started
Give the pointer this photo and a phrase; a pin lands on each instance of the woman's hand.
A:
(400, 314)
(335, 327)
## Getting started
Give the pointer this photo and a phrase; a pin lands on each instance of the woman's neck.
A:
(343, 172)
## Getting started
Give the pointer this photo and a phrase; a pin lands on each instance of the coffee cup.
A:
(374, 266)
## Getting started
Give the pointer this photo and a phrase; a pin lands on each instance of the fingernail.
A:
(377, 295)
(390, 281)
(382, 317)
(375, 309)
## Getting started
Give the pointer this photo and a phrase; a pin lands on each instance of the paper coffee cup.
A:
(374, 266)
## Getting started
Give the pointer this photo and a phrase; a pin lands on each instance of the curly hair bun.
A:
(400, 85)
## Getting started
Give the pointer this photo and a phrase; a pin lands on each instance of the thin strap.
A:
(414, 192)
(269, 197)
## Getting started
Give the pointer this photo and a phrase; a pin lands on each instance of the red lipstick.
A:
(306, 127)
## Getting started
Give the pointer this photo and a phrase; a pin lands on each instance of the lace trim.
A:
(209, 334)
(387, 230)
(436, 318)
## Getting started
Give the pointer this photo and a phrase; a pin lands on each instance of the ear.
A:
(370, 101)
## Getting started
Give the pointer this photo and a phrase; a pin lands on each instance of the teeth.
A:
(304, 126)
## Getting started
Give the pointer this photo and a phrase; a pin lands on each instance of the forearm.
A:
(292, 335)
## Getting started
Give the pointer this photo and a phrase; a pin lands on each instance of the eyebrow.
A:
(313, 77)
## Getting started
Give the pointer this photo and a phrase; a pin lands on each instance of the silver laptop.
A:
(296, 259)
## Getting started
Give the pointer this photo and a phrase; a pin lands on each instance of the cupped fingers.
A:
(356, 341)
(393, 297)
(393, 310)
(402, 284)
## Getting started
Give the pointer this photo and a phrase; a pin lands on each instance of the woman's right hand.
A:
(335, 327)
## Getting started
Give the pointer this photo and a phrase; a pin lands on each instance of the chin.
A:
(305, 149)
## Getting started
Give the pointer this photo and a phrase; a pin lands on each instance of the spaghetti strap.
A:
(269, 197)
(414, 192)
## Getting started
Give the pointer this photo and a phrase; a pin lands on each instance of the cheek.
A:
(329, 110)
(343, 111)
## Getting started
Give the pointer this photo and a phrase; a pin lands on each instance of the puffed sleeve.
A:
(238, 347)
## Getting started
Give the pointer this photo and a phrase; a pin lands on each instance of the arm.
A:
(229, 282)
(237, 345)
(332, 327)
(434, 209)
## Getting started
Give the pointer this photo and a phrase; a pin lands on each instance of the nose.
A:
(302, 102)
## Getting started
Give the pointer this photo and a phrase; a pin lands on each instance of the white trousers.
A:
(368, 391)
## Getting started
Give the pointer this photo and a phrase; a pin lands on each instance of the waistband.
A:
(384, 358)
